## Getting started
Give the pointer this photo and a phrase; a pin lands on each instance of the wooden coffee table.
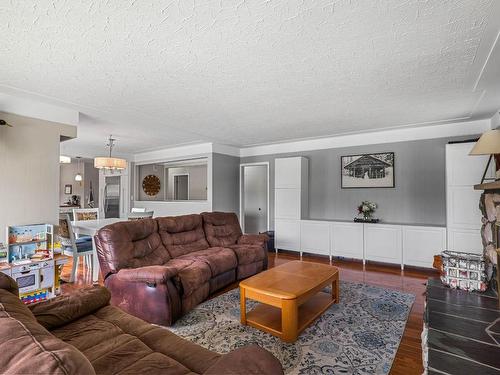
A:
(290, 297)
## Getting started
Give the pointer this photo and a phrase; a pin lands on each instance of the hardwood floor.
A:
(408, 359)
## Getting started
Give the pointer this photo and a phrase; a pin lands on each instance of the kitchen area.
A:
(84, 186)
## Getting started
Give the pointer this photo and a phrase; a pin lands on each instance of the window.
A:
(184, 180)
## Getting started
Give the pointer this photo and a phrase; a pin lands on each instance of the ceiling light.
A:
(109, 162)
(64, 159)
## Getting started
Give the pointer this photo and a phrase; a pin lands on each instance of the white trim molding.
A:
(402, 134)
(369, 138)
(36, 109)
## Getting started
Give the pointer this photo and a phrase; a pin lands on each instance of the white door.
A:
(254, 200)
(463, 217)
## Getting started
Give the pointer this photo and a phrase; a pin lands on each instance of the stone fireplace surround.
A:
(489, 204)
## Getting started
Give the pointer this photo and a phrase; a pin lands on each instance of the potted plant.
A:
(367, 209)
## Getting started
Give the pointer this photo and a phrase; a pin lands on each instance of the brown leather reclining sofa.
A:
(82, 334)
(159, 269)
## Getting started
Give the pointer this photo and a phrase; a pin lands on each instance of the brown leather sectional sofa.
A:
(82, 334)
(159, 269)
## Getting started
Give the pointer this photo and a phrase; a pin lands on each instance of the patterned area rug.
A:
(358, 336)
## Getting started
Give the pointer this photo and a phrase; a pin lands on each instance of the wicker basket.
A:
(465, 271)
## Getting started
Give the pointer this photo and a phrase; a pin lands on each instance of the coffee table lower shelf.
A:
(269, 318)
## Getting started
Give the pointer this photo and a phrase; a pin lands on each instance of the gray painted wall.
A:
(419, 195)
(226, 183)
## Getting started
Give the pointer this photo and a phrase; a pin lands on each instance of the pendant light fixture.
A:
(109, 162)
(78, 176)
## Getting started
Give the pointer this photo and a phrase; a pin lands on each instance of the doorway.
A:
(254, 197)
(181, 187)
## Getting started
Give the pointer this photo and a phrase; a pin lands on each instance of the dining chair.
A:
(138, 209)
(140, 215)
(83, 214)
(75, 247)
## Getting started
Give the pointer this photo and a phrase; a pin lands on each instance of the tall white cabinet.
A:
(291, 196)
(463, 217)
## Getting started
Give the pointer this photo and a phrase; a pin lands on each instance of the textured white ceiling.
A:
(161, 73)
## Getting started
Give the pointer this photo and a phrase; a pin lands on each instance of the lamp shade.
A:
(109, 163)
(488, 144)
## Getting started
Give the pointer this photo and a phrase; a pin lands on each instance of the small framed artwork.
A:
(367, 171)
(68, 189)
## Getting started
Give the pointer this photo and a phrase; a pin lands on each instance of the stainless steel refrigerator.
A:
(112, 199)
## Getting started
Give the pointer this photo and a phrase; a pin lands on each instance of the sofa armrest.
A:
(64, 309)
(247, 360)
(253, 239)
(9, 284)
(149, 274)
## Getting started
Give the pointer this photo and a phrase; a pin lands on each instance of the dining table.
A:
(90, 228)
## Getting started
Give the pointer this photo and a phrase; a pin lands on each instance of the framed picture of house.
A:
(368, 171)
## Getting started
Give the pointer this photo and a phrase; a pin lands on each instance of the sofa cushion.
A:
(219, 259)
(118, 343)
(248, 253)
(182, 234)
(66, 308)
(221, 228)
(130, 244)
(192, 277)
(24, 338)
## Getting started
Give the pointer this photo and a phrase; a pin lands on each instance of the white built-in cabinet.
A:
(290, 200)
(287, 234)
(420, 244)
(401, 244)
(383, 243)
(315, 237)
(463, 217)
(346, 240)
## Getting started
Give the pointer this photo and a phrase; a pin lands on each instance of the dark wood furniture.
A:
(463, 331)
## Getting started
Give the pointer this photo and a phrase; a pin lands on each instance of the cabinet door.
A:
(463, 216)
(287, 234)
(315, 237)
(288, 173)
(466, 240)
(347, 240)
(383, 243)
(420, 244)
(463, 207)
(287, 204)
